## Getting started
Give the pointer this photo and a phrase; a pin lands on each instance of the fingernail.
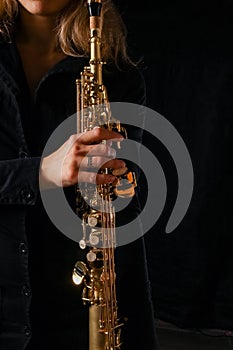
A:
(111, 152)
(117, 139)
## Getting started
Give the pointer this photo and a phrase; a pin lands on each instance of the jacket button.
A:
(26, 291)
(23, 154)
(23, 248)
(26, 194)
(27, 331)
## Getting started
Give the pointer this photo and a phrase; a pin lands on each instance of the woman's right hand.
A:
(79, 159)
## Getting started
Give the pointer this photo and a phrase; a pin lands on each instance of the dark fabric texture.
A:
(191, 269)
(40, 308)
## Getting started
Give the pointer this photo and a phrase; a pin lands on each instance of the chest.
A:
(37, 65)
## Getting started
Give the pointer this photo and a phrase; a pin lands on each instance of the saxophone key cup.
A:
(80, 271)
(94, 219)
(125, 188)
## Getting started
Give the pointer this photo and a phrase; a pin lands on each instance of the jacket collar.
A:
(11, 69)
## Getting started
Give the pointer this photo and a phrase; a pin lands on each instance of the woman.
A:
(44, 47)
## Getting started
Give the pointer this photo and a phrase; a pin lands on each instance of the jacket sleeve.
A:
(19, 181)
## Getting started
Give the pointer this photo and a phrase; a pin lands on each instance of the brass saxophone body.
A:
(95, 204)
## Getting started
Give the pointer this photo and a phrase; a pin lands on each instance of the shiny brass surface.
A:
(95, 204)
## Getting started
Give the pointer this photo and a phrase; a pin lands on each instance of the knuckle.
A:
(76, 149)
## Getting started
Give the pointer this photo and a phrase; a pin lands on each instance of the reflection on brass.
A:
(95, 204)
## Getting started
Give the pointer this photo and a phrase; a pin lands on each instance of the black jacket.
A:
(40, 308)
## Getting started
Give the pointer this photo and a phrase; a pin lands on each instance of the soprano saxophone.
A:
(95, 204)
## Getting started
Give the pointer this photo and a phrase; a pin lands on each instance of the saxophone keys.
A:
(82, 244)
(126, 185)
(80, 271)
(94, 239)
(92, 221)
(91, 256)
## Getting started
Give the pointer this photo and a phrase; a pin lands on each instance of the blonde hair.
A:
(73, 29)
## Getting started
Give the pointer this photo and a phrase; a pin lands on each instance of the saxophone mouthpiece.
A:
(94, 9)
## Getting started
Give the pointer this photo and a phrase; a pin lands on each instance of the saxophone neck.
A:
(95, 62)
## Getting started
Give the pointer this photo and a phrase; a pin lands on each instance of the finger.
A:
(95, 178)
(99, 134)
(114, 164)
(101, 150)
(102, 179)
(94, 150)
(101, 162)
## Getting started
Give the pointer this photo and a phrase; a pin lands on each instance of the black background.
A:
(187, 51)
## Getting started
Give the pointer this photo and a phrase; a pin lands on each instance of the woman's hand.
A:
(79, 159)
